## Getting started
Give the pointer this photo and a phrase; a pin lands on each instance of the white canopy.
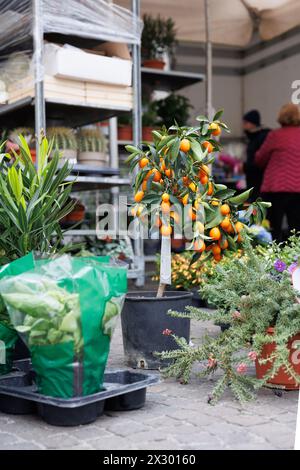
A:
(231, 22)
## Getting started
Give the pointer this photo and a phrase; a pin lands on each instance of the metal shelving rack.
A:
(73, 114)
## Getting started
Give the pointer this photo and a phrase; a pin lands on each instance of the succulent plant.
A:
(64, 138)
(26, 132)
(92, 140)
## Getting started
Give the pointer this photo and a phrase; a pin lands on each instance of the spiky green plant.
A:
(159, 35)
(63, 138)
(27, 132)
(92, 140)
(32, 202)
(250, 299)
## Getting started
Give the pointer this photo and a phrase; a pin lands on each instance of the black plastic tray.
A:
(123, 391)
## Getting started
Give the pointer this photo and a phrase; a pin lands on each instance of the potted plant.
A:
(173, 108)
(32, 203)
(28, 134)
(76, 216)
(174, 186)
(125, 128)
(64, 140)
(149, 121)
(92, 145)
(158, 38)
(264, 329)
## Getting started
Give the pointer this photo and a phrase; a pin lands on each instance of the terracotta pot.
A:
(125, 133)
(147, 133)
(33, 155)
(77, 214)
(93, 158)
(154, 64)
(281, 379)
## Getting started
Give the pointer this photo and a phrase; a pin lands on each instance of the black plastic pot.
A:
(123, 390)
(144, 318)
(197, 301)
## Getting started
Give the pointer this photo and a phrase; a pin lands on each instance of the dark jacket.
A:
(254, 174)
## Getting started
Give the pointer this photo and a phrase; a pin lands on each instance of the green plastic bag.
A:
(59, 306)
(54, 369)
(8, 335)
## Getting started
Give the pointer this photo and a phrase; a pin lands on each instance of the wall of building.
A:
(259, 77)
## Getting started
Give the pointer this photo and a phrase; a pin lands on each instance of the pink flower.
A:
(236, 315)
(212, 362)
(167, 332)
(252, 355)
(241, 368)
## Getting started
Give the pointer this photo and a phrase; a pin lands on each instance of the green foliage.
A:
(174, 108)
(250, 299)
(187, 275)
(150, 117)
(92, 140)
(159, 35)
(288, 252)
(63, 138)
(116, 248)
(32, 202)
(178, 172)
(20, 295)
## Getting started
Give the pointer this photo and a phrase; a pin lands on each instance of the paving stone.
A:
(110, 443)
(61, 441)
(282, 436)
(166, 444)
(125, 427)
(88, 432)
(8, 438)
(175, 417)
(26, 445)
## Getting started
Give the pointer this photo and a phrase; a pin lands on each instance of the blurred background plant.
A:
(33, 199)
(159, 36)
(63, 138)
(173, 108)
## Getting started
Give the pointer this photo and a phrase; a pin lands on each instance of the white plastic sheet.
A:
(95, 19)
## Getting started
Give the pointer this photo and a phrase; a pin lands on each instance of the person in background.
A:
(279, 156)
(256, 136)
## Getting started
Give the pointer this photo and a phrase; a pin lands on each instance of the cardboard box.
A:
(76, 64)
(75, 92)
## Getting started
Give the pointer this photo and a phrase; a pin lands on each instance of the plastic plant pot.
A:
(144, 319)
(125, 133)
(281, 379)
(154, 64)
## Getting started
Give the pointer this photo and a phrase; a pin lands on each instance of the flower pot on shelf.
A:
(147, 133)
(93, 158)
(154, 64)
(74, 217)
(144, 319)
(33, 155)
(69, 155)
(125, 133)
(282, 379)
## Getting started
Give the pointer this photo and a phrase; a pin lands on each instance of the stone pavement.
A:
(175, 417)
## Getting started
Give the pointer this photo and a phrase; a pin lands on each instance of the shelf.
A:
(88, 170)
(59, 113)
(80, 233)
(169, 79)
(88, 182)
(122, 143)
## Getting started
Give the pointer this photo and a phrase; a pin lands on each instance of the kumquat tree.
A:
(175, 193)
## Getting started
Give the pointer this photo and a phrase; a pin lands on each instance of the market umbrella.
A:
(226, 22)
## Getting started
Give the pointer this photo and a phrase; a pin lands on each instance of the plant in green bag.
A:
(66, 308)
(32, 202)
(251, 300)
(46, 313)
(8, 335)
